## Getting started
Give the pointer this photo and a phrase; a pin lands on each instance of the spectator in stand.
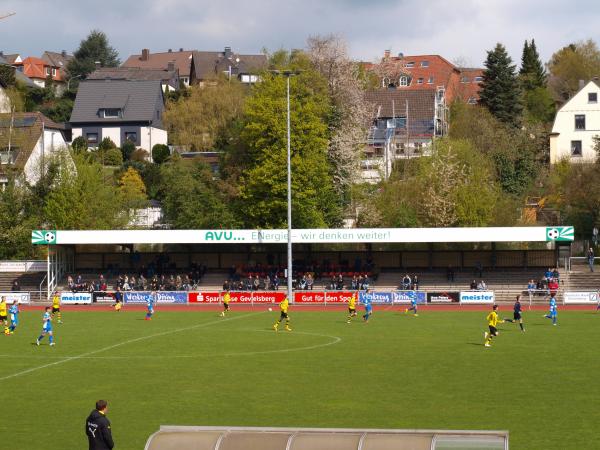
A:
(354, 283)
(415, 283)
(481, 286)
(15, 286)
(556, 274)
(548, 274)
(256, 283)
(450, 274)
(70, 283)
(406, 282)
(473, 285)
(553, 286)
(226, 285)
(590, 258)
(79, 280)
(266, 283)
(366, 283)
(531, 286)
(310, 281)
(340, 282)
(275, 282)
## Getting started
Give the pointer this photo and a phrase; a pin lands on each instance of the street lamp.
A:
(288, 74)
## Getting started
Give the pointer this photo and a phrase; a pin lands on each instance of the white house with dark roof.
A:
(120, 110)
(575, 125)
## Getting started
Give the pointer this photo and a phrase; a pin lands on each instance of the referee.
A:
(97, 428)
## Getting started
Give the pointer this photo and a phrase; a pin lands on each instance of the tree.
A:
(160, 153)
(191, 199)
(350, 111)
(263, 185)
(500, 91)
(197, 120)
(578, 61)
(106, 143)
(532, 73)
(16, 221)
(94, 48)
(112, 157)
(132, 190)
(82, 200)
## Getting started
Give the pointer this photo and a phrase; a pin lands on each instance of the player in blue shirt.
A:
(13, 311)
(413, 307)
(368, 306)
(47, 327)
(553, 311)
(150, 305)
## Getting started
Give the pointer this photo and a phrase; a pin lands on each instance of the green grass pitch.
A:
(398, 371)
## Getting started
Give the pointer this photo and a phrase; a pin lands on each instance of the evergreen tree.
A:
(500, 90)
(93, 48)
(532, 71)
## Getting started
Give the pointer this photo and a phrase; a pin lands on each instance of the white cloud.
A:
(452, 29)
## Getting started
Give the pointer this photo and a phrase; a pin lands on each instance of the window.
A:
(8, 157)
(593, 97)
(410, 64)
(424, 63)
(430, 80)
(92, 138)
(400, 148)
(418, 147)
(47, 70)
(53, 71)
(478, 79)
(464, 79)
(112, 113)
(580, 121)
(403, 81)
(420, 81)
(575, 148)
(131, 136)
(472, 101)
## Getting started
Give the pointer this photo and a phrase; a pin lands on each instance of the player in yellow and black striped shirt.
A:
(226, 300)
(4, 315)
(283, 306)
(56, 306)
(493, 320)
(352, 307)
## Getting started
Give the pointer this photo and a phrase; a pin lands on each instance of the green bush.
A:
(127, 150)
(160, 153)
(79, 144)
(106, 144)
(139, 155)
(113, 157)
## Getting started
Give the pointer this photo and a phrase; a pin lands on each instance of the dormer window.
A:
(403, 81)
(111, 113)
(410, 64)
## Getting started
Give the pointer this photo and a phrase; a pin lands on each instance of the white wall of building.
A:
(4, 101)
(564, 132)
(151, 136)
(47, 147)
(114, 133)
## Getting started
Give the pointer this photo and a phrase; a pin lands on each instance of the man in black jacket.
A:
(97, 428)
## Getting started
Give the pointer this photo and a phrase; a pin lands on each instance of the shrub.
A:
(127, 150)
(106, 144)
(113, 157)
(160, 153)
(79, 144)
(139, 155)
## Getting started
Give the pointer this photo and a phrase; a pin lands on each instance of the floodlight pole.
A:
(289, 194)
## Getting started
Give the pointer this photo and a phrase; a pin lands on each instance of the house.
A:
(19, 76)
(120, 110)
(169, 77)
(197, 66)
(13, 59)
(39, 71)
(181, 61)
(27, 142)
(419, 72)
(405, 124)
(207, 65)
(60, 60)
(576, 123)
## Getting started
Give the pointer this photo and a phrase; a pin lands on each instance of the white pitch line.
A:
(120, 344)
(336, 340)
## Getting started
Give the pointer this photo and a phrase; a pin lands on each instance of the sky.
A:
(459, 30)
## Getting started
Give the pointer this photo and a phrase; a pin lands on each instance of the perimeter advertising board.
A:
(75, 298)
(161, 297)
(12, 297)
(477, 297)
(580, 297)
(443, 297)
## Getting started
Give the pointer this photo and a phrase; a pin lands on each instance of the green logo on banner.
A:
(43, 237)
(560, 233)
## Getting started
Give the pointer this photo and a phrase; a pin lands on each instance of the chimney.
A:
(227, 53)
(63, 53)
(171, 66)
(98, 64)
(581, 84)
(180, 49)
(145, 54)
(387, 53)
(401, 55)
(170, 50)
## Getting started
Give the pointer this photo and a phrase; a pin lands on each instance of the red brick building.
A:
(415, 72)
